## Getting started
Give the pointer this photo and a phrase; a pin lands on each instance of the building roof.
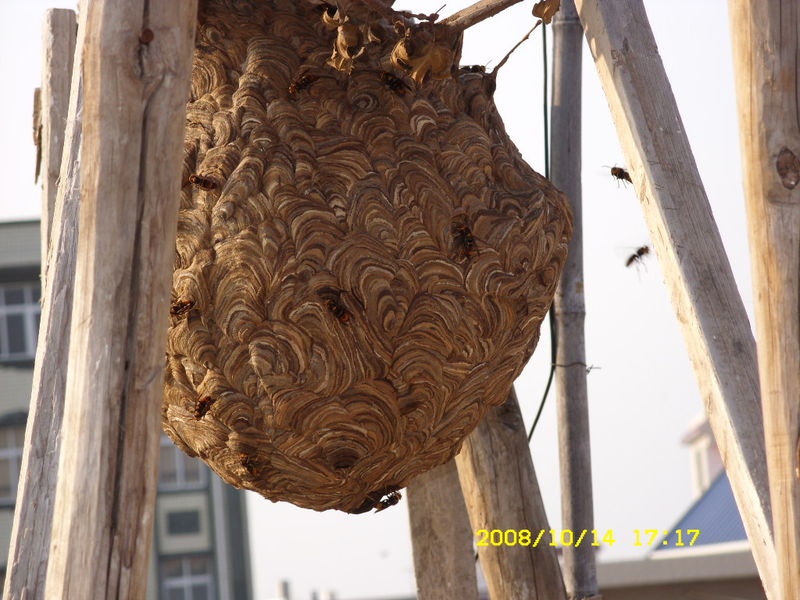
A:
(714, 514)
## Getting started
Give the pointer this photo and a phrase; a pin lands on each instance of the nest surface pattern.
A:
(362, 265)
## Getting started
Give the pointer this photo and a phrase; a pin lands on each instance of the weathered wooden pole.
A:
(580, 577)
(501, 492)
(441, 536)
(136, 71)
(765, 37)
(30, 534)
(58, 49)
(689, 249)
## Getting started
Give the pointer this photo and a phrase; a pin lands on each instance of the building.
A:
(718, 564)
(200, 544)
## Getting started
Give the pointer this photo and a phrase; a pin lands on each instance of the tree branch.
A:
(476, 13)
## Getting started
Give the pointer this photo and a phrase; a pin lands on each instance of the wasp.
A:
(301, 82)
(397, 85)
(248, 463)
(331, 300)
(204, 183)
(379, 500)
(637, 256)
(181, 307)
(391, 499)
(464, 241)
(339, 311)
(620, 174)
(475, 69)
(202, 406)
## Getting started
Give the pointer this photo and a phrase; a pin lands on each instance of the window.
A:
(19, 320)
(183, 522)
(187, 578)
(12, 439)
(178, 471)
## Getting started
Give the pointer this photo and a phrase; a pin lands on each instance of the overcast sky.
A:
(643, 394)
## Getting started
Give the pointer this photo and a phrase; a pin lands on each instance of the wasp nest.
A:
(363, 258)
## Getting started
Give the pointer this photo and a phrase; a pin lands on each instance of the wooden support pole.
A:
(580, 577)
(765, 38)
(136, 71)
(58, 48)
(687, 243)
(30, 534)
(441, 536)
(501, 492)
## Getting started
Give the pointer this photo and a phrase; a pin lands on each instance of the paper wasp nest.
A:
(363, 258)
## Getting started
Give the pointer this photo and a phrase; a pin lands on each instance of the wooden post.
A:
(30, 534)
(136, 70)
(501, 492)
(765, 37)
(441, 536)
(58, 49)
(690, 251)
(580, 577)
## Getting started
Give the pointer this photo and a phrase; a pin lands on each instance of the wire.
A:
(553, 345)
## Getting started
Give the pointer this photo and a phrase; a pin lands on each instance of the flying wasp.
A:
(637, 256)
(621, 174)
(394, 83)
(301, 82)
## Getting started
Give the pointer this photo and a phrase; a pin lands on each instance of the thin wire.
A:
(553, 340)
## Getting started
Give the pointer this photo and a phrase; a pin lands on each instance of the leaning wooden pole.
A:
(136, 72)
(689, 249)
(33, 516)
(580, 577)
(501, 492)
(765, 38)
(441, 536)
(58, 49)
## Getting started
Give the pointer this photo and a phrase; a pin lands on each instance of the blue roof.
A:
(714, 514)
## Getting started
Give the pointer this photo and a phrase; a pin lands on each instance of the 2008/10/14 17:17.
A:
(567, 537)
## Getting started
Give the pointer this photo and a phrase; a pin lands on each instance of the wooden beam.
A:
(765, 37)
(689, 249)
(441, 536)
(580, 576)
(30, 534)
(501, 492)
(58, 48)
(136, 71)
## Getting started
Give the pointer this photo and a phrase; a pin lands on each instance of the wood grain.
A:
(33, 516)
(689, 249)
(58, 49)
(134, 107)
(765, 38)
(444, 563)
(501, 492)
